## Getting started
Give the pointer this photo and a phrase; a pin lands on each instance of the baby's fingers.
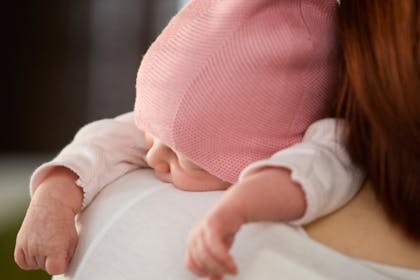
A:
(198, 260)
(206, 260)
(215, 278)
(56, 264)
(192, 266)
(21, 260)
(40, 260)
(219, 250)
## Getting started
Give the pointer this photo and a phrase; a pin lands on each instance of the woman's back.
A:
(154, 245)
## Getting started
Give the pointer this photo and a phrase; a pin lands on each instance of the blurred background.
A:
(66, 63)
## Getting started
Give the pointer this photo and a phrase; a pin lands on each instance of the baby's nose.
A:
(158, 157)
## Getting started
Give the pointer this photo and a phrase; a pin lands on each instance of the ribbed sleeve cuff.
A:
(42, 172)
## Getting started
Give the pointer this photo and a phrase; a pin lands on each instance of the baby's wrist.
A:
(60, 186)
(231, 210)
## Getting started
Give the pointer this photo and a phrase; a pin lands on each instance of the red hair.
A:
(380, 99)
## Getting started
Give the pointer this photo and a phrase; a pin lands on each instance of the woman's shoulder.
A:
(362, 230)
(280, 249)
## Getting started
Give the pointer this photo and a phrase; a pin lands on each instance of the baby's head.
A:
(228, 83)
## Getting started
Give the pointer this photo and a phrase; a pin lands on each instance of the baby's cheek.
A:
(163, 176)
(187, 164)
(162, 167)
(148, 140)
(199, 182)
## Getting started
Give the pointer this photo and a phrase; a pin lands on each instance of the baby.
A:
(230, 96)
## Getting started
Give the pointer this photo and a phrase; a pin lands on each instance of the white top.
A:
(105, 150)
(137, 228)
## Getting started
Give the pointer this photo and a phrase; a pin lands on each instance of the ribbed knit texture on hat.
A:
(230, 82)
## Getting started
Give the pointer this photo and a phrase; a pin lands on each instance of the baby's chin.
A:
(192, 181)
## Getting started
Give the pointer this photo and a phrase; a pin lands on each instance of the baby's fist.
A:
(47, 237)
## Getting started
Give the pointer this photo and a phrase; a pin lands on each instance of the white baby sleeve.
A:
(101, 152)
(321, 165)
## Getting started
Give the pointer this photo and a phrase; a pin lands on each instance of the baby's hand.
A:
(209, 243)
(47, 238)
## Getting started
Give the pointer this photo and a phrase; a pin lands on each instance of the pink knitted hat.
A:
(230, 82)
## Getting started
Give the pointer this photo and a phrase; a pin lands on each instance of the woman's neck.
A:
(361, 229)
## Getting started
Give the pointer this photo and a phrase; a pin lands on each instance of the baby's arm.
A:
(298, 184)
(101, 152)
(267, 194)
